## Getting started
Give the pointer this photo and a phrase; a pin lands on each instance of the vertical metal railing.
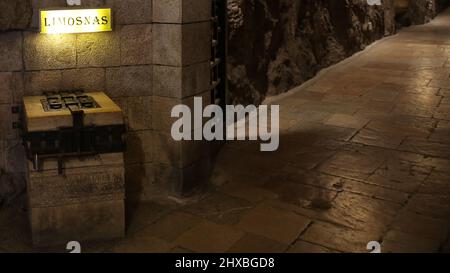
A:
(219, 52)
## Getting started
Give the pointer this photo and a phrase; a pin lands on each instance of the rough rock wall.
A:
(441, 5)
(276, 45)
(422, 11)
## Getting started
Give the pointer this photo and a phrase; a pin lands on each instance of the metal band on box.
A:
(78, 140)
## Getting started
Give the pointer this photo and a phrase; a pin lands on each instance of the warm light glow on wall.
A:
(75, 21)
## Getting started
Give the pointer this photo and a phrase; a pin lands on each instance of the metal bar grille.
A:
(219, 52)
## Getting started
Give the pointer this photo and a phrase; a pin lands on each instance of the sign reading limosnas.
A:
(75, 21)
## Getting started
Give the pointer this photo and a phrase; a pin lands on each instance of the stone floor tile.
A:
(347, 121)
(399, 242)
(379, 139)
(170, 227)
(302, 195)
(430, 100)
(403, 125)
(423, 111)
(303, 247)
(322, 86)
(139, 215)
(340, 238)
(444, 92)
(433, 74)
(442, 132)
(86, 247)
(223, 176)
(208, 237)
(440, 83)
(406, 90)
(439, 164)
(421, 226)
(141, 245)
(374, 191)
(351, 165)
(316, 131)
(400, 175)
(369, 213)
(257, 244)
(442, 112)
(96, 247)
(438, 183)
(300, 116)
(180, 250)
(247, 192)
(309, 95)
(426, 147)
(278, 225)
(371, 114)
(328, 107)
(430, 205)
(391, 66)
(377, 94)
(396, 158)
(220, 208)
(341, 98)
(255, 165)
(314, 179)
(382, 72)
(292, 107)
(308, 158)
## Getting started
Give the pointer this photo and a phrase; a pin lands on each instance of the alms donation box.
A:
(74, 142)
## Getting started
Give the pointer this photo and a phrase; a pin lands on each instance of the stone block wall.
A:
(181, 61)
(156, 57)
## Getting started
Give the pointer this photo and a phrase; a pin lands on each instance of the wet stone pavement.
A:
(364, 156)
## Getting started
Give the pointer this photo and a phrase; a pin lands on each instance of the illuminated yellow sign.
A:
(75, 21)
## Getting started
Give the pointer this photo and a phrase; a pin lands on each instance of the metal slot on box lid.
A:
(63, 100)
